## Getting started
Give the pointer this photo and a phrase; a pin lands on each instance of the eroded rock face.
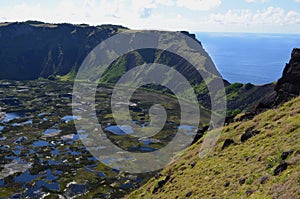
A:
(289, 83)
(287, 87)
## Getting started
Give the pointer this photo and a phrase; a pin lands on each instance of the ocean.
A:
(249, 57)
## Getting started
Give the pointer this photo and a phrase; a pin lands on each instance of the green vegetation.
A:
(68, 77)
(242, 169)
(233, 91)
(114, 73)
(233, 112)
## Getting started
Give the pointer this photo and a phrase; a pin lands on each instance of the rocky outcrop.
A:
(289, 83)
(287, 87)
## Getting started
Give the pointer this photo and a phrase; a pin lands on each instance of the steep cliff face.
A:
(289, 83)
(31, 49)
(287, 87)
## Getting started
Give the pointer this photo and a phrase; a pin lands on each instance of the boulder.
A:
(161, 183)
(280, 168)
(263, 179)
(286, 154)
(227, 143)
(199, 134)
(242, 181)
(249, 134)
(189, 194)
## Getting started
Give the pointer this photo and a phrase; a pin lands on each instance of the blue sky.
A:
(269, 16)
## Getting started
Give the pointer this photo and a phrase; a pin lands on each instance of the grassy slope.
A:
(251, 160)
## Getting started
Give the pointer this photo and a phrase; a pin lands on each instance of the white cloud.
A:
(157, 14)
(24, 11)
(165, 2)
(199, 4)
(102, 11)
(255, 1)
(143, 8)
(297, 0)
(270, 15)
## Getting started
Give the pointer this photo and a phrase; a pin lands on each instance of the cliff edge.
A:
(287, 87)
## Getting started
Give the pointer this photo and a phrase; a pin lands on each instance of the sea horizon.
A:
(257, 58)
